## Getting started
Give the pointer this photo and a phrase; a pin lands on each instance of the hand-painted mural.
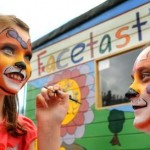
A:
(92, 61)
(84, 127)
(98, 41)
(79, 83)
(116, 120)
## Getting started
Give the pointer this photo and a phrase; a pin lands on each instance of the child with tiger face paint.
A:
(19, 132)
(139, 91)
(15, 57)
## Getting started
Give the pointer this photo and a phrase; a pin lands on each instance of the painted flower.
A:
(79, 83)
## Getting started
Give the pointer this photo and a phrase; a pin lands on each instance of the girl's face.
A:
(15, 55)
(140, 91)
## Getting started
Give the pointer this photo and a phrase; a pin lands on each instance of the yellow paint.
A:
(51, 65)
(136, 86)
(62, 148)
(72, 88)
(35, 145)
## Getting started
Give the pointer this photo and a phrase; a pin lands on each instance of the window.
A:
(114, 78)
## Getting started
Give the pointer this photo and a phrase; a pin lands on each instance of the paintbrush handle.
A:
(57, 91)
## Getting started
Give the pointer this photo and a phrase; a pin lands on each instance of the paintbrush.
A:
(57, 91)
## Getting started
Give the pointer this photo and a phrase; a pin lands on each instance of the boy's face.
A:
(139, 92)
(15, 55)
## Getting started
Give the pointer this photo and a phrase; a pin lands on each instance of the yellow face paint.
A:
(135, 85)
(15, 54)
(139, 91)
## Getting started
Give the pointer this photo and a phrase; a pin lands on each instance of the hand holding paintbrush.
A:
(52, 105)
(52, 102)
(58, 91)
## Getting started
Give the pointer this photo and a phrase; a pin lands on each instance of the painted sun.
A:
(75, 83)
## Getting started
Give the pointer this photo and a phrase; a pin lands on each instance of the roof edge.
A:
(76, 22)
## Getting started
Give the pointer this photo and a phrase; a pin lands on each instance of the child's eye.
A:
(145, 76)
(28, 57)
(8, 50)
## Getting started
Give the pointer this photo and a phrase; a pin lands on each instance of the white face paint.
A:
(139, 93)
(15, 54)
(14, 77)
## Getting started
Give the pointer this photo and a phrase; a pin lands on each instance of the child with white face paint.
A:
(139, 91)
(19, 132)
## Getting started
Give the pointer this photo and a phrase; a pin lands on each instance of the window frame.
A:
(98, 92)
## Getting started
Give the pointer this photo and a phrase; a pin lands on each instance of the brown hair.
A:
(9, 20)
(10, 110)
(10, 113)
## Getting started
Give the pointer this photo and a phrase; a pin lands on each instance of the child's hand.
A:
(51, 105)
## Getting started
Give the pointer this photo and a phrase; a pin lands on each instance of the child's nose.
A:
(131, 93)
(20, 65)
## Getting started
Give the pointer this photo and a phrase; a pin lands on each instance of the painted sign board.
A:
(112, 36)
(71, 62)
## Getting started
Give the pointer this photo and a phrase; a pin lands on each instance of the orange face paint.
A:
(139, 92)
(15, 55)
